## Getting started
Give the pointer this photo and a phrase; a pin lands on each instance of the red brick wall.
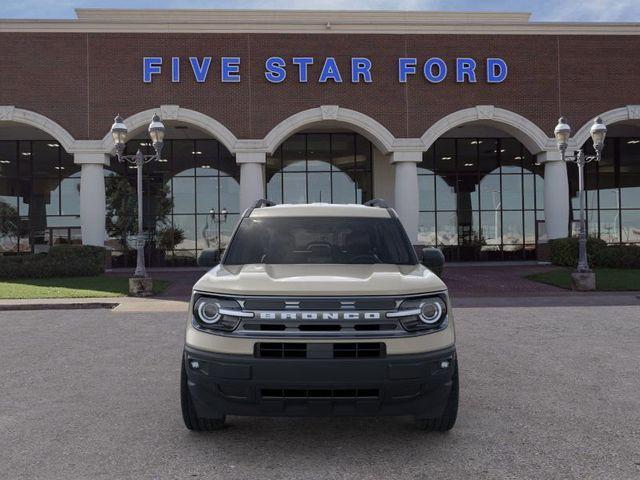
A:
(82, 80)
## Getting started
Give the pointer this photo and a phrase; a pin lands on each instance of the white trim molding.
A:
(373, 130)
(10, 113)
(179, 114)
(629, 112)
(309, 21)
(527, 132)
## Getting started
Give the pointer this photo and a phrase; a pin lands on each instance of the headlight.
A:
(431, 311)
(215, 313)
(208, 310)
(426, 313)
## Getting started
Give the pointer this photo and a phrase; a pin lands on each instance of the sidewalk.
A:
(470, 286)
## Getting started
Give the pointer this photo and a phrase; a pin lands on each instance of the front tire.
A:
(447, 420)
(189, 414)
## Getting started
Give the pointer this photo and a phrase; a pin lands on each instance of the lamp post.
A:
(211, 231)
(562, 133)
(119, 133)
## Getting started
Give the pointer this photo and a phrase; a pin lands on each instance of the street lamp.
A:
(119, 133)
(210, 231)
(562, 133)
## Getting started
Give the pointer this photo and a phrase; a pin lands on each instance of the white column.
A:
(92, 197)
(251, 177)
(556, 194)
(406, 190)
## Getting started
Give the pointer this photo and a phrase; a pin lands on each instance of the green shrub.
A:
(564, 251)
(618, 256)
(61, 261)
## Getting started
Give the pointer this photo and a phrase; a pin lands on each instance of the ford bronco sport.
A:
(319, 310)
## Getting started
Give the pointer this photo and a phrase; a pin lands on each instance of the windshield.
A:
(343, 240)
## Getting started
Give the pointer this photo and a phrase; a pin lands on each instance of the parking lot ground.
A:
(546, 393)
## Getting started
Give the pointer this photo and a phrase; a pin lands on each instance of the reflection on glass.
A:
(490, 198)
(512, 192)
(445, 195)
(529, 227)
(318, 152)
(610, 225)
(343, 188)
(512, 231)
(320, 187)
(426, 189)
(274, 188)
(183, 195)
(295, 188)
(447, 228)
(293, 153)
(207, 195)
(427, 228)
(321, 167)
(630, 223)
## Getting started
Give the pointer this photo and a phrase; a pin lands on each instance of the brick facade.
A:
(80, 80)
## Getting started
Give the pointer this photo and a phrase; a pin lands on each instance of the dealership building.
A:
(447, 116)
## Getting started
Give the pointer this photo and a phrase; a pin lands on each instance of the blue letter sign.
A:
(200, 71)
(428, 70)
(360, 67)
(434, 69)
(406, 66)
(330, 71)
(151, 66)
(496, 70)
(275, 69)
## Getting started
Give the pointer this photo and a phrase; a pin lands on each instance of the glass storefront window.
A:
(321, 167)
(198, 179)
(480, 198)
(39, 196)
(612, 188)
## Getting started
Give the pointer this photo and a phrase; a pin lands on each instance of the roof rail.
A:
(376, 202)
(263, 202)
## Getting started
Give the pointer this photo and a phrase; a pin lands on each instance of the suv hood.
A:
(319, 279)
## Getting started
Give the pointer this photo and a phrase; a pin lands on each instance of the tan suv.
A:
(319, 310)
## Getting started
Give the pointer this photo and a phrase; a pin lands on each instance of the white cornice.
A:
(297, 21)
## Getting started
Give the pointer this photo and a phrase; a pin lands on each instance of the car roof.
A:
(320, 210)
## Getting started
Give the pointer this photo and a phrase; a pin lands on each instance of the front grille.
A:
(320, 350)
(323, 393)
(320, 304)
(298, 326)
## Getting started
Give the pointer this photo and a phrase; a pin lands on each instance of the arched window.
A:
(480, 198)
(39, 196)
(321, 167)
(194, 189)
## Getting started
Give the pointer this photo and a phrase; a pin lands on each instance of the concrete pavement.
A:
(546, 392)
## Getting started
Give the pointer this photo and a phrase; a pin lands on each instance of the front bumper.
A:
(226, 384)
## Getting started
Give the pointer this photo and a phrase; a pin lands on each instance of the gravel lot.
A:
(549, 392)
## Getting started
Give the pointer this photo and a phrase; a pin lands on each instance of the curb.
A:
(57, 306)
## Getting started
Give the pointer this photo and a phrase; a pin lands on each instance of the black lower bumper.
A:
(416, 384)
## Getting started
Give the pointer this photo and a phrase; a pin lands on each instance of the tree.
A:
(122, 209)
(9, 221)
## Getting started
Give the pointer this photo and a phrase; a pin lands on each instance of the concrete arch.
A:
(10, 113)
(629, 112)
(177, 113)
(382, 138)
(527, 132)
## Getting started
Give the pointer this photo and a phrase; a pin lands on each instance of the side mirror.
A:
(433, 259)
(209, 258)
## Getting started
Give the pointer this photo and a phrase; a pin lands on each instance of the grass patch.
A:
(607, 279)
(70, 287)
